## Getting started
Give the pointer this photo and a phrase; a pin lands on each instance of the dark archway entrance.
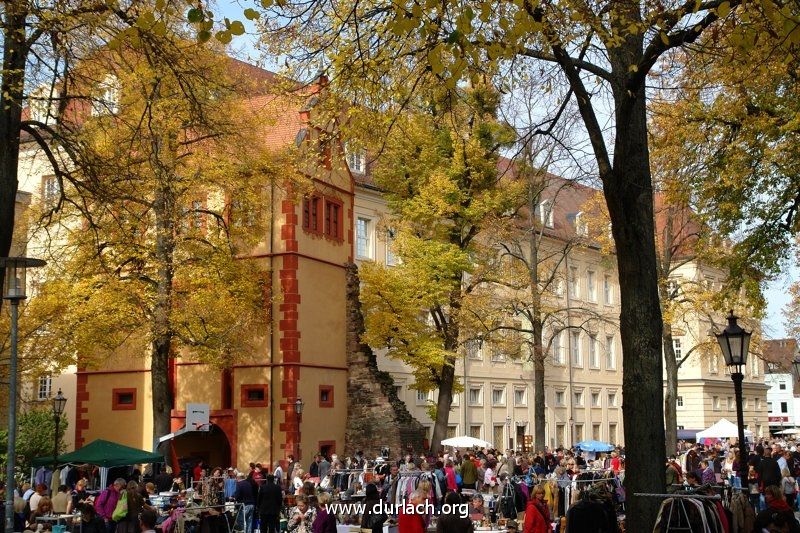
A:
(212, 446)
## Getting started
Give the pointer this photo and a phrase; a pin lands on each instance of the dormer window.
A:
(107, 99)
(546, 213)
(581, 228)
(356, 160)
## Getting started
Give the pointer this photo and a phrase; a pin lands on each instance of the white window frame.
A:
(611, 356)
(713, 363)
(599, 431)
(758, 404)
(679, 402)
(784, 408)
(573, 285)
(594, 399)
(51, 189)
(524, 400)
(591, 286)
(562, 395)
(391, 258)
(356, 160)
(576, 355)
(608, 290)
(44, 387)
(559, 349)
(594, 355)
(577, 398)
(781, 385)
(715, 403)
(731, 403)
(479, 388)
(369, 241)
(546, 213)
(421, 401)
(107, 100)
(502, 390)
(41, 106)
(612, 398)
(474, 349)
(581, 228)
(677, 347)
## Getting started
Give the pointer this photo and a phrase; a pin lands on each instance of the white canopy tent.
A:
(722, 430)
(466, 442)
(793, 431)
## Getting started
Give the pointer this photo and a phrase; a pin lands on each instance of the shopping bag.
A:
(121, 510)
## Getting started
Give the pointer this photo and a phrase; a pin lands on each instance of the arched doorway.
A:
(212, 446)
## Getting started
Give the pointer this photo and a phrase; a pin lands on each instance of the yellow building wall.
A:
(132, 427)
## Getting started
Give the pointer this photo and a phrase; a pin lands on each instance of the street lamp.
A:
(298, 407)
(59, 402)
(14, 290)
(735, 343)
(508, 432)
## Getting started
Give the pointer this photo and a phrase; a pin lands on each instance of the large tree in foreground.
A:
(381, 51)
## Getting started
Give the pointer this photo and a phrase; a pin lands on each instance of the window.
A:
(594, 357)
(499, 432)
(255, 395)
(596, 431)
(398, 390)
(784, 407)
(519, 397)
(673, 288)
(45, 386)
(782, 385)
(106, 100)
(497, 355)
(744, 403)
(578, 432)
(391, 259)
(676, 346)
(474, 349)
(612, 399)
(326, 395)
(356, 160)
(422, 397)
(612, 433)
(451, 431)
(560, 397)
(578, 398)
(769, 406)
(591, 287)
(546, 213)
(333, 218)
(51, 190)
(558, 348)
(679, 401)
(575, 347)
(559, 287)
(611, 362)
(312, 214)
(560, 434)
(713, 363)
(731, 404)
(198, 218)
(595, 399)
(573, 282)
(608, 296)
(475, 431)
(754, 367)
(499, 396)
(363, 238)
(758, 405)
(715, 403)
(123, 399)
(475, 394)
(43, 104)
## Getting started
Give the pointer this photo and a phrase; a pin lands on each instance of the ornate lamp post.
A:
(59, 402)
(735, 343)
(14, 291)
(508, 432)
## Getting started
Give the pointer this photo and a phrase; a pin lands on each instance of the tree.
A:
(35, 437)
(439, 174)
(384, 51)
(173, 173)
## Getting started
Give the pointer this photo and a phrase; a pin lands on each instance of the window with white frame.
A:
(573, 282)
(43, 104)
(596, 431)
(106, 102)
(498, 395)
(676, 346)
(744, 403)
(608, 290)
(363, 238)
(391, 258)
(422, 397)
(591, 286)
(611, 360)
(595, 398)
(754, 367)
(673, 288)
(782, 385)
(558, 348)
(594, 356)
(519, 397)
(612, 399)
(356, 160)
(784, 407)
(713, 363)
(575, 348)
(577, 398)
(731, 404)
(758, 405)
(559, 287)
(769, 406)
(581, 227)
(559, 398)
(715, 403)
(497, 353)
(679, 401)
(51, 190)
(44, 388)
(546, 213)
(475, 395)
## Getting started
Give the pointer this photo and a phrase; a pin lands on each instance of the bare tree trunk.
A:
(671, 394)
(536, 325)
(443, 404)
(15, 53)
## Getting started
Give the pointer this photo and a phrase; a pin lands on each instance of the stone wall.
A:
(376, 417)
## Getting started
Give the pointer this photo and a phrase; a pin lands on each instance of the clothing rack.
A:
(415, 473)
(677, 495)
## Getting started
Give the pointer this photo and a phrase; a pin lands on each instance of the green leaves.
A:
(195, 15)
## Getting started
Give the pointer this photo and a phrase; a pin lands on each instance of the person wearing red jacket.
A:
(537, 515)
(411, 522)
